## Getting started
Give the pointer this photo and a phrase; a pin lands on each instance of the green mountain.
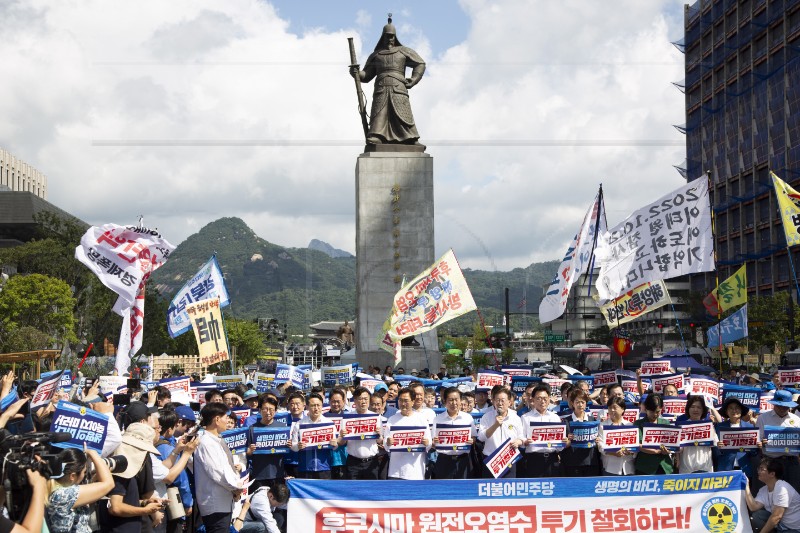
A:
(301, 286)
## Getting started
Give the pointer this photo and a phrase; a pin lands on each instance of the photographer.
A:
(34, 518)
(68, 507)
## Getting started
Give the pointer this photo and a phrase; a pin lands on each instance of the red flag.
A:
(711, 304)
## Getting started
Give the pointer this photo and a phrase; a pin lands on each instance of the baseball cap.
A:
(185, 412)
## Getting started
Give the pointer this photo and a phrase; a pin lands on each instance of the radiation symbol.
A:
(719, 513)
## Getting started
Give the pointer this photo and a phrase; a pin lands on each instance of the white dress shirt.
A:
(215, 477)
(537, 417)
(769, 418)
(407, 465)
(461, 419)
(611, 463)
(511, 428)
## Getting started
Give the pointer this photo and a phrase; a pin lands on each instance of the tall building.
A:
(742, 91)
(18, 176)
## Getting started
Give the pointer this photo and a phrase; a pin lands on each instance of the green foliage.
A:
(768, 322)
(600, 335)
(40, 302)
(26, 339)
(246, 338)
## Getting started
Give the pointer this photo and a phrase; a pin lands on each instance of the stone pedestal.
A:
(394, 237)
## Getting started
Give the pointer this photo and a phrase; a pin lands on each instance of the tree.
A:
(40, 302)
(247, 338)
(600, 335)
(771, 325)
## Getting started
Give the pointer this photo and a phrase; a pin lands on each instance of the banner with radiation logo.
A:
(692, 503)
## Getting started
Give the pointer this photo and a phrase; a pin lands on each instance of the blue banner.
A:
(208, 283)
(66, 379)
(520, 383)
(293, 374)
(749, 396)
(782, 439)
(269, 440)
(84, 424)
(236, 439)
(584, 434)
(733, 328)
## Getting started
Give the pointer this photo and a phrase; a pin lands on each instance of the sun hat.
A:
(783, 398)
(137, 442)
(756, 377)
(249, 395)
(730, 401)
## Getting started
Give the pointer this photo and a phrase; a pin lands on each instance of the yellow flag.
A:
(789, 206)
(212, 342)
(730, 293)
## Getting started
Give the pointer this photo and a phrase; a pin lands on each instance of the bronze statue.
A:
(391, 120)
(346, 335)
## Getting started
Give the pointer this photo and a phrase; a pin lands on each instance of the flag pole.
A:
(594, 241)
(680, 330)
(716, 270)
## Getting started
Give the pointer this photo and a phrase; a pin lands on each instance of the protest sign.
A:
(85, 425)
(179, 388)
(228, 381)
(738, 438)
(113, 384)
(453, 437)
(785, 440)
(263, 382)
(212, 341)
(241, 414)
(360, 426)
(406, 439)
(46, 389)
(520, 383)
(333, 376)
(555, 386)
(319, 435)
(584, 434)
(654, 436)
(631, 413)
(789, 376)
(616, 438)
(749, 396)
(546, 436)
(659, 382)
(673, 406)
(488, 379)
(704, 386)
(502, 459)
(236, 439)
(208, 283)
(516, 370)
(697, 433)
(294, 375)
(650, 368)
(635, 303)
(602, 379)
(271, 440)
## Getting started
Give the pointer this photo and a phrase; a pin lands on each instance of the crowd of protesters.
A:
(178, 473)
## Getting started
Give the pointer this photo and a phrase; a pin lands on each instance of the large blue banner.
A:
(697, 503)
(733, 328)
(749, 396)
(269, 440)
(85, 425)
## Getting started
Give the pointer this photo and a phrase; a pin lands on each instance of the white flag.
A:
(130, 336)
(574, 265)
(665, 239)
(208, 283)
(123, 257)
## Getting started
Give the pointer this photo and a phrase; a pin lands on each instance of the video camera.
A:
(29, 451)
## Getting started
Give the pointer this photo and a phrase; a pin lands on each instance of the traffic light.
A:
(692, 325)
(660, 325)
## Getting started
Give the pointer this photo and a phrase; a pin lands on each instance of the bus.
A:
(595, 357)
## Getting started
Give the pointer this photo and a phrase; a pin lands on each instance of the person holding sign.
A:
(696, 458)
(620, 462)
(781, 416)
(267, 468)
(539, 462)
(499, 425)
(734, 411)
(407, 465)
(580, 459)
(453, 435)
(650, 461)
(314, 461)
(362, 454)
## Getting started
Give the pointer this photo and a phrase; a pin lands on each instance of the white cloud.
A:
(530, 72)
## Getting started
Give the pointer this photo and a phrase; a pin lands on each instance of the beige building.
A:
(18, 176)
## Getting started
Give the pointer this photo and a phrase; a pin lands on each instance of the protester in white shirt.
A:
(776, 507)
(407, 465)
(539, 462)
(452, 464)
(216, 479)
(621, 462)
(362, 454)
(257, 512)
(499, 425)
(692, 459)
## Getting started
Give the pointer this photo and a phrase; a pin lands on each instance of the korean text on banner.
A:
(635, 303)
(437, 295)
(453, 437)
(228, 381)
(749, 396)
(654, 436)
(782, 439)
(179, 388)
(545, 436)
(85, 425)
(360, 426)
(738, 438)
(132, 331)
(730, 293)
(789, 376)
(319, 435)
(333, 376)
(212, 342)
(406, 439)
(697, 433)
(123, 257)
(652, 368)
(733, 328)
(269, 440)
(575, 263)
(789, 207)
(668, 238)
(616, 438)
(206, 284)
(236, 439)
(46, 389)
(697, 503)
(502, 459)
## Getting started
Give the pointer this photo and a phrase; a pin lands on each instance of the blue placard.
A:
(749, 396)
(782, 439)
(584, 434)
(520, 383)
(85, 425)
(236, 439)
(271, 440)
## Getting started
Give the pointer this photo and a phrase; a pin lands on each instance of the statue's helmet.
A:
(389, 28)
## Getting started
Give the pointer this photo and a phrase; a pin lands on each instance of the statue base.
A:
(394, 238)
(394, 148)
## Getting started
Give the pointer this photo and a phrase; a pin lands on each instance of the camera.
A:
(116, 463)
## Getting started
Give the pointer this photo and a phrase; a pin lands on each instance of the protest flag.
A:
(731, 329)
(575, 263)
(439, 294)
(729, 294)
(206, 284)
(789, 207)
(667, 238)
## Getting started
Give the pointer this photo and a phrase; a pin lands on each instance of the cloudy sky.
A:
(191, 110)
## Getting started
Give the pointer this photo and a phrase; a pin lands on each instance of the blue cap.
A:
(185, 412)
